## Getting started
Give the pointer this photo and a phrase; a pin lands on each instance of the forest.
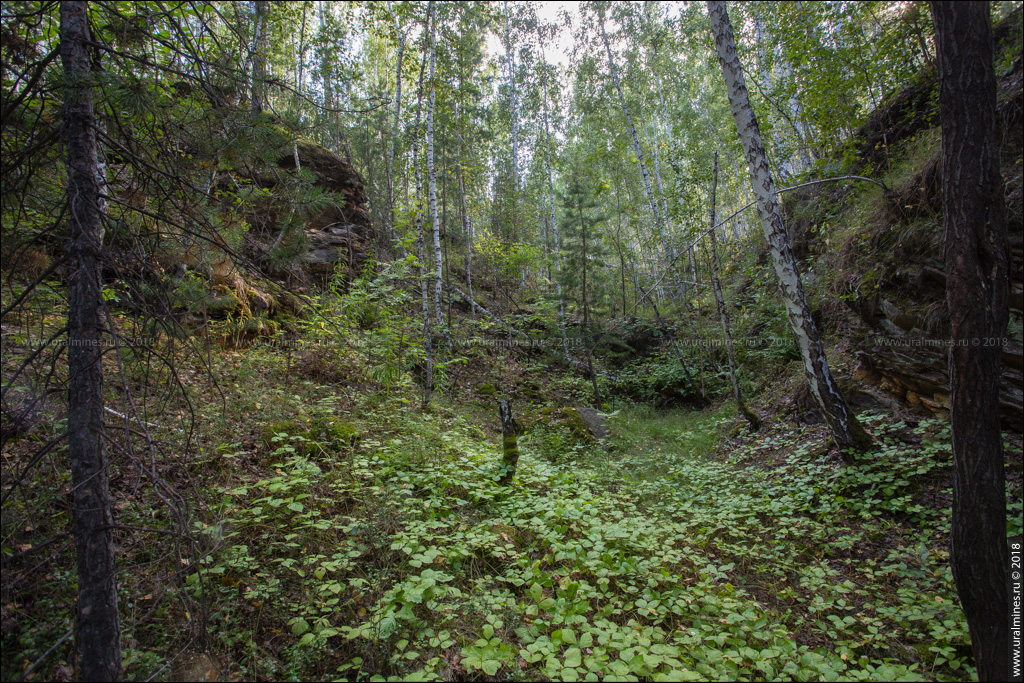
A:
(518, 341)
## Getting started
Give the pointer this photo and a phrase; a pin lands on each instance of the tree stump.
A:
(510, 431)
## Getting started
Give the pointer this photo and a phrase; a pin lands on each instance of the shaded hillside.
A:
(883, 256)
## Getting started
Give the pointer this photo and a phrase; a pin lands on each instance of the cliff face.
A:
(342, 232)
(888, 265)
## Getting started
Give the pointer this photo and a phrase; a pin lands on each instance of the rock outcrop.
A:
(343, 232)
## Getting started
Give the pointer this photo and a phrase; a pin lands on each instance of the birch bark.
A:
(428, 344)
(637, 149)
(394, 129)
(723, 313)
(510, 61)
(551, 193)
(432, 174)
(845, 429)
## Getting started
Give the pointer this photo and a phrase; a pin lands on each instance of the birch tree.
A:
(847, 432)
(510, 62)
(99, 632)
(259, 57)
(723, 313)
(394, 125)
(428, 344)
(432, 174)
(551, 193)
(637, 149)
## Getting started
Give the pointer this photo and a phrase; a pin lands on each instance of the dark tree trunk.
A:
(99, 633)
(976, 254)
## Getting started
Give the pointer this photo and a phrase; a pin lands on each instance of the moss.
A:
(486, 389)
(260, 325)
(559, 417)
(509, 457)
(290, 303)
(221, 306)
(334, 430)
(576, 424)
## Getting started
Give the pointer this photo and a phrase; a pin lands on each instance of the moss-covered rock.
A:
(334, 430)
(565, 418)
(221, 305)
(485, 389)
(289, 303)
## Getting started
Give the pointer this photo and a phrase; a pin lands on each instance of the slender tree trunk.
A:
(551, 192)
(467, 229)
(655, 212)
(428, 343)
(618, 248)
(723, 313)
(510, 61)
(847, 432)
(300, 59)
(447, 236)
(976, 255)
(394, 131)
(678, 179)
(259, 59)
(432, 174)
(586, 307)
(670, 232)
(99, 631)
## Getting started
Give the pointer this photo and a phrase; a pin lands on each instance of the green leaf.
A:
(299, 626)
(573, 656)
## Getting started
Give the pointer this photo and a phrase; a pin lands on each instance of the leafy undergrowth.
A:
(340, 531)
(652, 557)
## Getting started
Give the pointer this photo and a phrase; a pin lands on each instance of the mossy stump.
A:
(510, 431)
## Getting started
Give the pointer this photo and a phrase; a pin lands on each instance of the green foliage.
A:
(654, 560)
(659, 379)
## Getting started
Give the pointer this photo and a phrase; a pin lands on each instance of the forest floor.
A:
(672, 551)
(335, 528)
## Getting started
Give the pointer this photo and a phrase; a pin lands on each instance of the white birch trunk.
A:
(656, 214)
(467, 225)
(432, 174)
(394, 129)
(510, 61)
(428, 344)
(679, 182)
(258, 92)
(723, 312)
(845, 429)
(554, 217)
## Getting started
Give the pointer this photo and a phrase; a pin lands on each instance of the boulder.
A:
(342, 233)
(595, 421)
